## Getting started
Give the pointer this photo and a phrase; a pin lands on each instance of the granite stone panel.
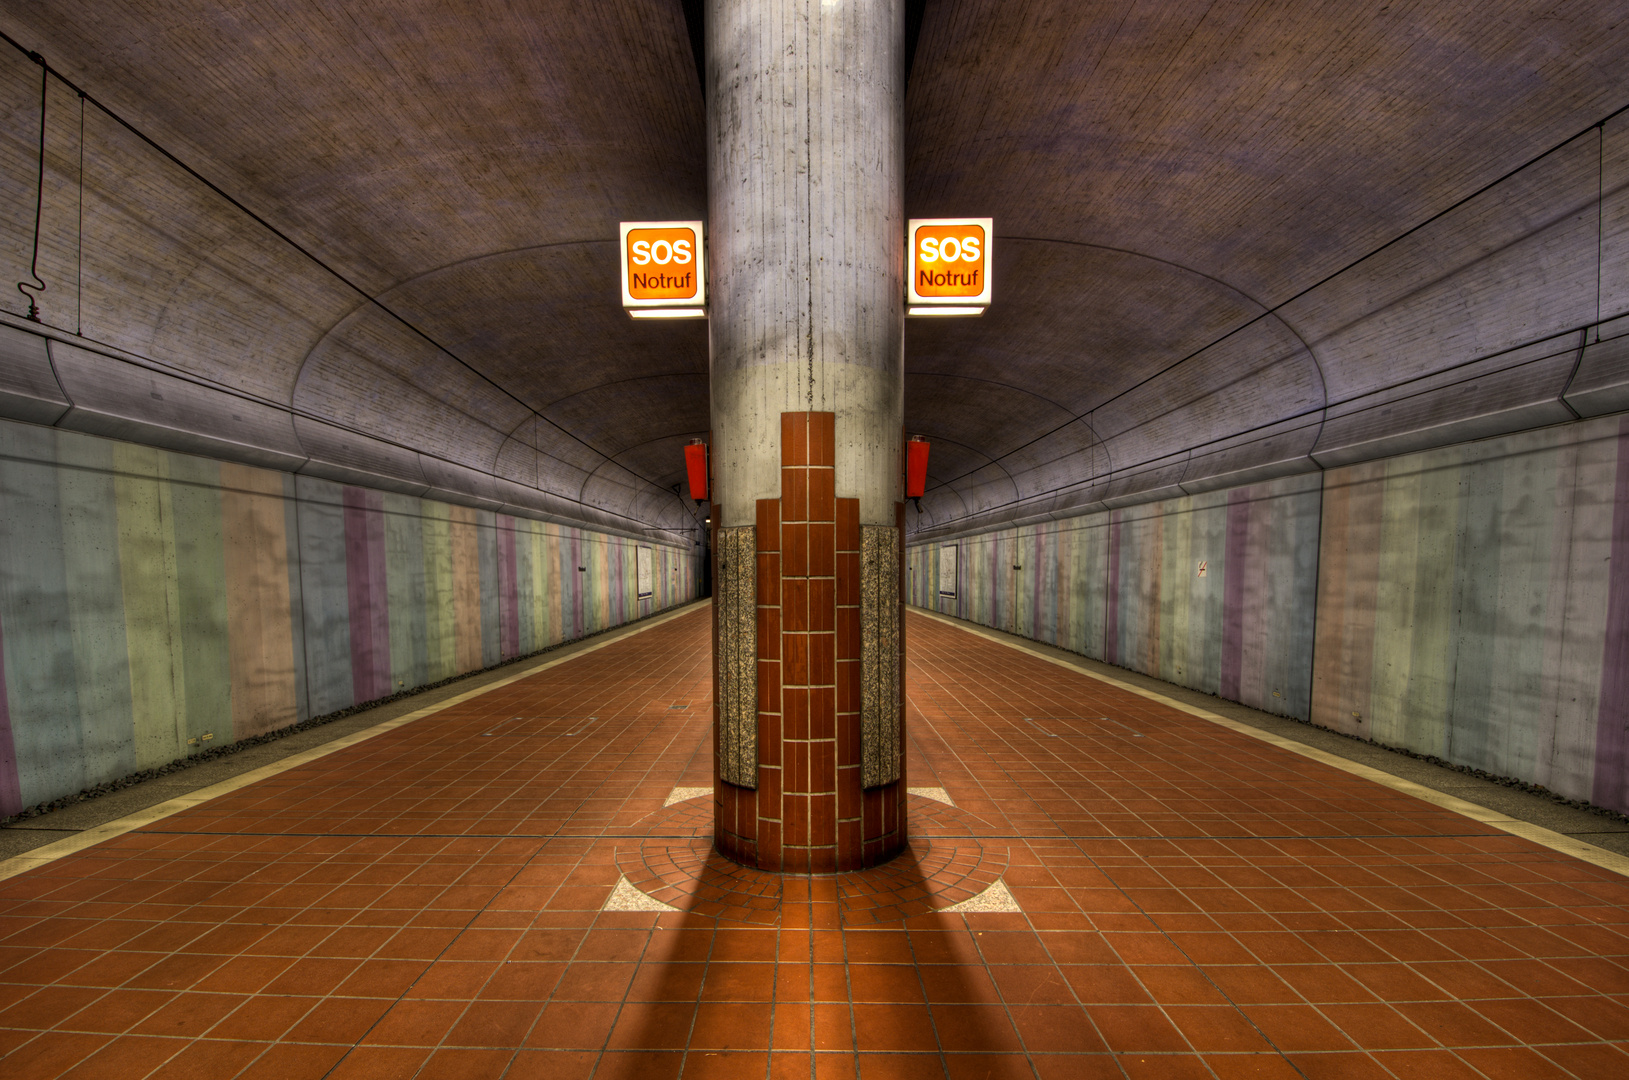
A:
(879, 655)
(737, 600)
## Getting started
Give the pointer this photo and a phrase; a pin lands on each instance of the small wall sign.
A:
(664, 272)
(949, 266)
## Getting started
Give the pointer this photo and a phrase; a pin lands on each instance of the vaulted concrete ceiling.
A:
(1235, 239)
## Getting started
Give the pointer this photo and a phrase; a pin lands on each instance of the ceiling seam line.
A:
(46, 67)
(1322, 281)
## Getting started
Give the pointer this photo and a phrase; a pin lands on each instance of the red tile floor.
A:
(1195, 903)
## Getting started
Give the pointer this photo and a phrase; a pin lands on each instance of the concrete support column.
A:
(805, 107)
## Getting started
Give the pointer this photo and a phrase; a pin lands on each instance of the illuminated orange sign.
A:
(949, 265)
(662, 265)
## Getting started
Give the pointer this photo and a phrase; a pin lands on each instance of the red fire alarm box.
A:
(916, 467)
(695, 463)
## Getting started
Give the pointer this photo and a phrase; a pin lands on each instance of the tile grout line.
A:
(1196, 965)
(1074, 992)
(1566, 845)
(49, 853)
(1166, 933)
(403, 996)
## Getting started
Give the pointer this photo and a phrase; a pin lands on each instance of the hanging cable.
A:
(79, 284)
(32, 290)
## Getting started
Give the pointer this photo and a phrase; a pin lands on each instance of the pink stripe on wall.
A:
(1611, 786)
(366, 593)
(11, 789)
(379, 593)
(1111, 620)
(576, 586)
(1234, 569)
(508, 590)
(1037, 605)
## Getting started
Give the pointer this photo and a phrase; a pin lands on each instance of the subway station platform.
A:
(517, 882)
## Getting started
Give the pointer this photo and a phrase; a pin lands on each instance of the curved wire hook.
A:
(31, 290)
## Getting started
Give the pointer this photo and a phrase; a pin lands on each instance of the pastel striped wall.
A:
(1475, 606)
(152, 603)
(1470, 602)
(1124, 586)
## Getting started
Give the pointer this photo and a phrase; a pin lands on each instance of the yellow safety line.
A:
(19, 864)
(1567, 845)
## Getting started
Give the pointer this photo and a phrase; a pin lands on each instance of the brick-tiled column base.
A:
(809, 813)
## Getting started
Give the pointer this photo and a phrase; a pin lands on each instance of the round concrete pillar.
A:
(805, 116)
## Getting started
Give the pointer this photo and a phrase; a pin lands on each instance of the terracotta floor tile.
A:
(1217, 1029)
(879, 947)
(730, 981)
(1395, 982)
(207, 1059)
(1512, 1063)
(465, 1064)
(50, 1054)
(976, 1029)
(1051, 1029)
(117, 1010)
(1171, 984)
(614, 1065)
(488, 1023)
(1376, 1027)
(1032, 984)
(244, 974)
(380, 1062)
(1136, 1027)
(263, 1017)
(1602, 1017)
(901, 1066)
(452, 912)
(906, 1028)
(1320, 983)
(131, 1055)
(415, 1023)
(1354, 1065)
(1422, 1063)
(725, 1026)
(1452, 1024)
(830, 982)
(1164, 1067)
(1298, 1028)
(612, 944)
(594, 981)
(1105, 984)
(1009, 1066)
(885, 983)
(666, 982)
(294, 1062)
(792, 1026)
(1267, 1065)
(1590, 1059)
(653, 1026)
(47, 1005)
(455, 980)
(1144, 948)
(189, 1015)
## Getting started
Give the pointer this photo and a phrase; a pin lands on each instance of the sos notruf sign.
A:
(663, 269)
(949, 266)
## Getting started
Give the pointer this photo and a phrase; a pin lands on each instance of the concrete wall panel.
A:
(1124, 586)
(1469, 602)
(153, 604)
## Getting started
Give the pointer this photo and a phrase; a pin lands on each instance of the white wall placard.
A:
(646, 573)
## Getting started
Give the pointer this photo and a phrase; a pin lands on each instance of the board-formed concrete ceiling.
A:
(1234, 239)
